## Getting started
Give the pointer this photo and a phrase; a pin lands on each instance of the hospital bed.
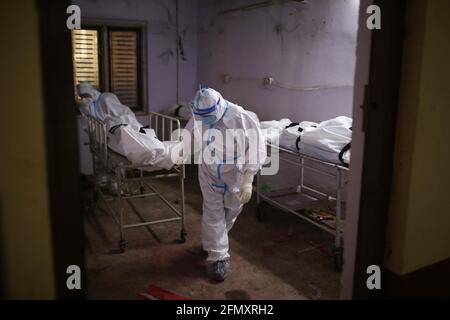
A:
(134, 181)
(297, 199)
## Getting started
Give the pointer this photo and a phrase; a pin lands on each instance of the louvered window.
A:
(124, 69)
(85, 57)
(110, 57)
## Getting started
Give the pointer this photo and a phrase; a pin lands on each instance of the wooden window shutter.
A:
(124, 66)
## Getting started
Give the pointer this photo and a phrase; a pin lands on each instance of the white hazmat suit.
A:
(225, 174)
(106, 107)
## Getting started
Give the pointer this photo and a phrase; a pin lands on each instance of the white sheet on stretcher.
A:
(141, 149)
(125, 136)
(272, 129)
(328, 140)
(323, 140)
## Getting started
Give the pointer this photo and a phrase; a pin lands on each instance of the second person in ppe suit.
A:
(106, 107)
(225, 175)
(126, 135)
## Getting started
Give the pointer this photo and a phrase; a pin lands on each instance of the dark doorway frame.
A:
(62, 146)
(380, 115)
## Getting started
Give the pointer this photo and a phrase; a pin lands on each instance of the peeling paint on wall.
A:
(167, 56)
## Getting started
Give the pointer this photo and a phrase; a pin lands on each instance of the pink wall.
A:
(304, 45)
(161, 42)
(159, 16)
(315, 46)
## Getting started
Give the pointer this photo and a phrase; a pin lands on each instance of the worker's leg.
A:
(232, 201)
(214, 226)
(233, 208)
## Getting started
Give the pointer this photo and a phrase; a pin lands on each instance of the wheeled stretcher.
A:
(133, 181)
(301, 196)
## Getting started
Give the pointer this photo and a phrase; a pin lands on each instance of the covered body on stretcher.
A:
(328, 141)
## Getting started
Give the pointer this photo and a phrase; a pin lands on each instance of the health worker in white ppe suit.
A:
(225, 175)
(106, 107)
(126, 135)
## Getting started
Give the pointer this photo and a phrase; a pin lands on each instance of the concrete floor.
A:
(266, 262)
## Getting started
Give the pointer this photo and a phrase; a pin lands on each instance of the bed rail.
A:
(163, 125)
(98, 139)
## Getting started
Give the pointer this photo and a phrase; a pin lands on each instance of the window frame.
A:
(104, 26)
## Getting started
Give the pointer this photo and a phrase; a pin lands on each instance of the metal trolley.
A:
(300, 197)
(133, 182)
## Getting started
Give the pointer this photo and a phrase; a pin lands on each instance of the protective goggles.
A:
(204, 112)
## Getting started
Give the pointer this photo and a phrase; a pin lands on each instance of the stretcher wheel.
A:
(122, 246)
(183, 236)
(338, 260)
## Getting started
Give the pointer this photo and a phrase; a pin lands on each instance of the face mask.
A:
(208, 120)
(86, 101)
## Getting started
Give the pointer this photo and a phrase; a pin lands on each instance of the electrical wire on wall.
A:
(271, 82)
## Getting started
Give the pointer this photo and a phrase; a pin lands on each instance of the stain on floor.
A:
(267, 261)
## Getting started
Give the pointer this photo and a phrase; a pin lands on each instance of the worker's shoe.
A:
(218, 271)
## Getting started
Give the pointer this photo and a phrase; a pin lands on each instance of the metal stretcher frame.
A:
(106, 161)
(338, 172)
